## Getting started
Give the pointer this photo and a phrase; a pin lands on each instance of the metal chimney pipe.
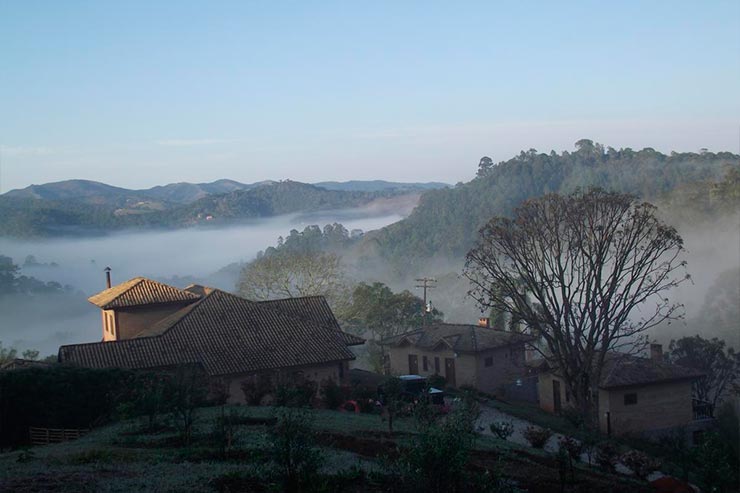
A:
(107, 276)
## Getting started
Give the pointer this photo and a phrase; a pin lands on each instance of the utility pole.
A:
(426, 283)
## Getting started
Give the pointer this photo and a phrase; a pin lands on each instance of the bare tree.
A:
(576, 270)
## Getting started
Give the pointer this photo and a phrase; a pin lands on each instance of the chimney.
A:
(107, 277)
(656, 352)
(484, 322)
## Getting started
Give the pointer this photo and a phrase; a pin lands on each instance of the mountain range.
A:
(89, 207)
(184, 193)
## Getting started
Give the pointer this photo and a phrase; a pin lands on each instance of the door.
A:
(450, 371)
(556, 405)
(413, 364)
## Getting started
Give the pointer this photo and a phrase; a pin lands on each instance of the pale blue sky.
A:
(143, 93)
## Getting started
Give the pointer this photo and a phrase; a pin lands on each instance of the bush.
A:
(640, 463)
(572, 447)
(436, 460)
(502, 429)
(607, 455)
(537, 437)
(292, 449)
(255, 389)
(295, 395)
(332, 394)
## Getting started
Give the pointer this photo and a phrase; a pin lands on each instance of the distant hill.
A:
(28, 215)
(87, 191)
(446, 222)
(94, 192)
(379, 186)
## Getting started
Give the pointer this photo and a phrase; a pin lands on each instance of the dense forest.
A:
(446, 222)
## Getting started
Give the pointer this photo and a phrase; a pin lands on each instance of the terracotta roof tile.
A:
(140, 291)
(225, 334)
(459, 337)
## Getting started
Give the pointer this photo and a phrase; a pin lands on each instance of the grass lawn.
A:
(120, 457)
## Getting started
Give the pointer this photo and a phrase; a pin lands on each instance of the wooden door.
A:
(556, 404)
(450, 371)
(413, 364)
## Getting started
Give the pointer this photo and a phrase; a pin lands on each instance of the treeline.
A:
(24, 217)
(446, 222)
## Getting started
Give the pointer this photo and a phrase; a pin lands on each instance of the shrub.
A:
(607, 455)
(436, 459)
(537, 437)
(573, 416)
(255, 389)
(640, 463)
(572, 447)
(332, 394)
(295, 395)
(502, 429)
(292, 449)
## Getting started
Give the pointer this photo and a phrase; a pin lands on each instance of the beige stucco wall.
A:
(659, 406)
(507, 367)
(315, 373)
(465, 364)
(470, 369)
(131, 321)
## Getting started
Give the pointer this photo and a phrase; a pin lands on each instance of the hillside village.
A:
(184, 351)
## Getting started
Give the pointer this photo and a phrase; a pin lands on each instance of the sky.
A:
(137, 94)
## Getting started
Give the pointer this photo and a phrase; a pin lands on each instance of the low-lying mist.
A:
(44, 322)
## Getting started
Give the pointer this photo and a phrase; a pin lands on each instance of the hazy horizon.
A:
(141, 94)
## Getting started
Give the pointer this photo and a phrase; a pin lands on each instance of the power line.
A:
(426, 283)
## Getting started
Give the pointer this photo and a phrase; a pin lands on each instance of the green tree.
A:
(720, 364)
(573, 269)
(376, 309)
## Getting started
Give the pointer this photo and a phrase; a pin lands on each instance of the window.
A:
(630, 399)
(488, 361)
(413, 364)
(425, 363)
(436, 365)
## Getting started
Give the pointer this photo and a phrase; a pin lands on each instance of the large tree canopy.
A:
(721, 365)
(587, 273)
(288, 275)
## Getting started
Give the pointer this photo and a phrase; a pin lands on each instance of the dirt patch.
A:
(365, 446)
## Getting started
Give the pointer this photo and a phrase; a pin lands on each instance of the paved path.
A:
(490, 414)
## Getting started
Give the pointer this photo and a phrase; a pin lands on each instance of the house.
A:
(636, 395)
(236, 342)
(465, 355)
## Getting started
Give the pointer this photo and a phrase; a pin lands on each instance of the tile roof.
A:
(225, 334)
(622, 370)
(315, 309)
(140, 291)
(625, 370)
(458, 337)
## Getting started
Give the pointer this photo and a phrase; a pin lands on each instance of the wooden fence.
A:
(43, 436)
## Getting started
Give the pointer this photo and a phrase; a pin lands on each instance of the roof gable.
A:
(459, 337)
(140, 291)
(225, 334)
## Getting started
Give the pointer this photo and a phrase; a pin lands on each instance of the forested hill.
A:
(29, 217)
(446, 221)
